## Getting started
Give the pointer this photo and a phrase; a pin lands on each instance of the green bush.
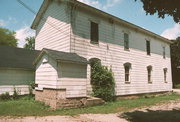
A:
(15, 94)
(177, 86)
(5, 96)
(32, 84)
(31, 87)
(102, 81)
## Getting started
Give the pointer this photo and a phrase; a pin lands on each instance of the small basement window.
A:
(94, 32)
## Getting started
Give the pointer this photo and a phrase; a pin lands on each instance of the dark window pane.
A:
(94, 32)
(164, 52)
(165, 75)
(149, 74)
(126, 41)
(126, 77)
(126, 73)
(148, 48)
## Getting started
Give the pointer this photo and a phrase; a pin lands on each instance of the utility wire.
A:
(43, 19)
(27, 7)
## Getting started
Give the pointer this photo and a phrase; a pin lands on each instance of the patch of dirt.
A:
(159, 113)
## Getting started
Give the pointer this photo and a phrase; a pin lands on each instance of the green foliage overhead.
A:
(162, 8)
(30, 43)
(102, 81)
(7, 37)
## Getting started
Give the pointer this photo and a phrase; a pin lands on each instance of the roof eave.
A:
(40, 13)
(69, 61)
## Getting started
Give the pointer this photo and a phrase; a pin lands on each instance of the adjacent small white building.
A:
(16, 69)
(139, 59)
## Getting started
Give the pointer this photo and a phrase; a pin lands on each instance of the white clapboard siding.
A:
(15, 76)
(52, 33)
(46, 73)
(73, 78)
(75, 87)
(111, 52)
(21, 89)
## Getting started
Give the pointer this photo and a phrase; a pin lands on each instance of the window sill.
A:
(165, 82)
(126, 49)
(149, 82)
(127, 82)
(95, 43)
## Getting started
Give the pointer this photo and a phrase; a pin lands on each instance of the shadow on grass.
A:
(153, 116)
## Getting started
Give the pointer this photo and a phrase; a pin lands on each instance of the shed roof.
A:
(62, 56)
(12, 57)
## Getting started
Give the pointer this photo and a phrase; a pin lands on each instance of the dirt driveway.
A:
(169, 112)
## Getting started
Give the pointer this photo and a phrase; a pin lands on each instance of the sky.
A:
(15, 17)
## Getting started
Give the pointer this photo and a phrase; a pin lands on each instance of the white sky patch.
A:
(111, 3)
(94, 3)
(10, 20)
(2, 22)
(22, 34)
(172, 33)
(99, 5)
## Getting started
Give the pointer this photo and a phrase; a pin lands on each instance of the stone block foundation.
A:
(56, 98)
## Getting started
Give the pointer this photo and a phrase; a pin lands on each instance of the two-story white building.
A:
(76, 32)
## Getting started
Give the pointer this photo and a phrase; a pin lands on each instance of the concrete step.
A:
(92, 101)
(176, 91)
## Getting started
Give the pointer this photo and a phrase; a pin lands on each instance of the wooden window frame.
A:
(127, 67)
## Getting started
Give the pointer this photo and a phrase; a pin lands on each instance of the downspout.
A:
(72, 26)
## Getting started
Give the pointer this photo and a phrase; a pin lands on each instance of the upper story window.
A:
(164, 52)
(148, 47)
(149, 72)
(165, 75)
(126, 41)
(127, 67)
(94, 32)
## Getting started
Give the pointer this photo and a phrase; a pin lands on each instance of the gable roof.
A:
(62, 56)
(12, 57)
(99, 12)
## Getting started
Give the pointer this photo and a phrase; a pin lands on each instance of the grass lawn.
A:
(30, 107)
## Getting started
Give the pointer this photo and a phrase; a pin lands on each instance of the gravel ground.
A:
(169, 111)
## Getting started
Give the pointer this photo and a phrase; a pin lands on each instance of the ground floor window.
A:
(165, 75)
(127, 67)
(149, 73)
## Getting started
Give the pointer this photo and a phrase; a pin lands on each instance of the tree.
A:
(175, 61)
(175, 52)
(7, 37)
(162, 8)
(30, 43)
